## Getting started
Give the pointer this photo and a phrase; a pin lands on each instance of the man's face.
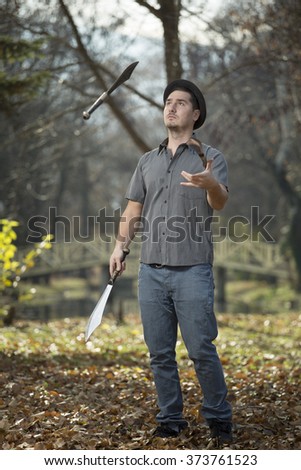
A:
(178, 111)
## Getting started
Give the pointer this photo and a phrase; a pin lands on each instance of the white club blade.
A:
(96, 315)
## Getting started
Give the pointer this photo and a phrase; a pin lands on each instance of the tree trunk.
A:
(294, 234)
(170, 16)
(11, 296)
(9, 318)
(287, 148)
(294, 238)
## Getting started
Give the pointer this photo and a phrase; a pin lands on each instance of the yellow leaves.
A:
(135, 332)
(10, 251)
(46, 243)
(29, 259)
(30, 256)
(11, 269)
(9, 223)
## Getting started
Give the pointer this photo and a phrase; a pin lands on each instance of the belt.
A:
(156, 266)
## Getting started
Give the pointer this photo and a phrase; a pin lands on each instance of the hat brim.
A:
(191, 87)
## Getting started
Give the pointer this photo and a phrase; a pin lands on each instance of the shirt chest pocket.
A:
(191, 193)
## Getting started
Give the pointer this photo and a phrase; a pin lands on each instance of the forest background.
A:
(56, 58)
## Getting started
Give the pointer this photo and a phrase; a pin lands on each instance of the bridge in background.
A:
(252, 257)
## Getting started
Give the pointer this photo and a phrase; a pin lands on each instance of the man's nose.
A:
(172, 107)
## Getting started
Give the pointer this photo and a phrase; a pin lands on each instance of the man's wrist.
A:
(121, 243)
(215, 186)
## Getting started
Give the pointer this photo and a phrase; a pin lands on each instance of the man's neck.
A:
(176, 138)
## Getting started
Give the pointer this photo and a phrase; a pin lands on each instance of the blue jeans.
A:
(170, 296)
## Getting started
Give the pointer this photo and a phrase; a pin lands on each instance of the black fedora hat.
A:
(192, 88)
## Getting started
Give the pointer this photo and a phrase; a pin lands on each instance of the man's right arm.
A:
(127, 229)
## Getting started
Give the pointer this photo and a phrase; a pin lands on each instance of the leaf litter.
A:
(56, 392)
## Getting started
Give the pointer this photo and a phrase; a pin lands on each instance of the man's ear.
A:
(196, 114)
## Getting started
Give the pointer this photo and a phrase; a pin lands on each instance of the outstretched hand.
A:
(204, 180)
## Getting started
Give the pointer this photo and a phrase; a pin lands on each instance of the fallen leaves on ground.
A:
(56, 392)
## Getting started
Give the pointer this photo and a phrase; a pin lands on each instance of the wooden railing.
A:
(256, 257)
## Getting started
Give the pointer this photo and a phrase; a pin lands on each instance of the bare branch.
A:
(95, 69)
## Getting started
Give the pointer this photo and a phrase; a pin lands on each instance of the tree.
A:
(261, 45)
(17, 87)
(169, 15)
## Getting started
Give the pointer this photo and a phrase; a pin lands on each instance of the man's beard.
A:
(171, 125)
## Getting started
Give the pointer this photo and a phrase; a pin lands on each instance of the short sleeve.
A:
(136, 188)
(219, 167)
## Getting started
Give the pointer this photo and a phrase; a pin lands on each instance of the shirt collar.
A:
(163, 145)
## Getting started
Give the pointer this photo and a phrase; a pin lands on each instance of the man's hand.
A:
(116, 263)
(217, 194)
(127, 229)
(204, 180)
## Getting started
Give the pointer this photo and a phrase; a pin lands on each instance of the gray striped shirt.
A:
(175, 227)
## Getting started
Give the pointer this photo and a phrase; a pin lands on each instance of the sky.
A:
(140, 22)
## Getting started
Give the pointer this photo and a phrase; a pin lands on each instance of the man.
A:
(174, 195)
